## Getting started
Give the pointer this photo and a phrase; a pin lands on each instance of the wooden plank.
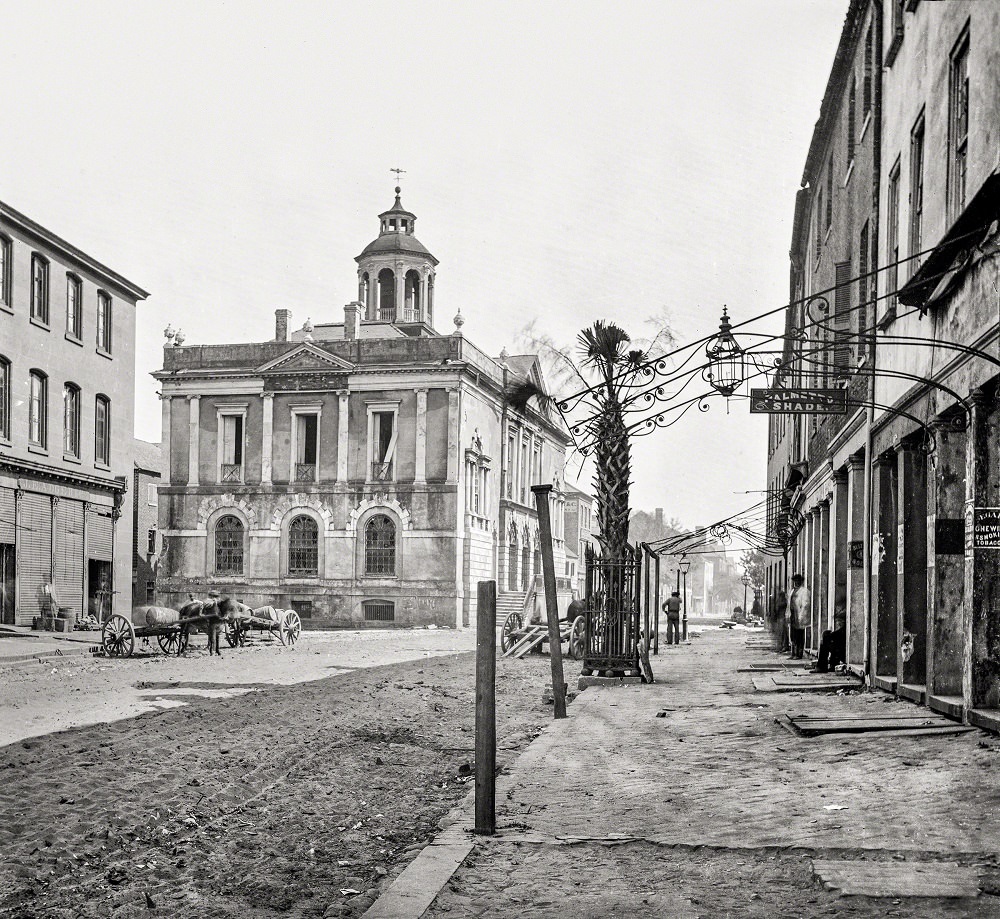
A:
(532, 633)
(533, 643)
(898, 879)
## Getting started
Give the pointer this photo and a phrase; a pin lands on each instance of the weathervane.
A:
(399, 172)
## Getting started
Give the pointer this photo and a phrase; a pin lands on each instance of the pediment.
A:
(305, 358)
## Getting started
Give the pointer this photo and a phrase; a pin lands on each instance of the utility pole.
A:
(541, 493)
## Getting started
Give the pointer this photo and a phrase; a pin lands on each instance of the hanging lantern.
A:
(725, 371)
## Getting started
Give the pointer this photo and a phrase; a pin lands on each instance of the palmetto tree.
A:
(605, 352)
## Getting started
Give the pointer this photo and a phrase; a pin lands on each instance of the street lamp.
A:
(746, 581)
(685, 565)
(725, 370)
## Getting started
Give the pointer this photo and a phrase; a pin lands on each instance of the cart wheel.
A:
(578, 639)
(290, 627)
(513, 623)
(118, 637)
(233, 634)
(172, 642)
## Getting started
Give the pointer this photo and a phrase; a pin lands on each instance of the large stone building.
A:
(367, 471)
(898, 533)
(67, 386)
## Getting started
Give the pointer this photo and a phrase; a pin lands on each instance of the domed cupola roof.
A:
(396, 235)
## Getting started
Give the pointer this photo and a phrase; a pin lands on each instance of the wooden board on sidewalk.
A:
(803, 682)
(854, 724)
(898, 879)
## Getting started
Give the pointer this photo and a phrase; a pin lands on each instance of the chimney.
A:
(281, 318)
(659, 520)
(352, 320)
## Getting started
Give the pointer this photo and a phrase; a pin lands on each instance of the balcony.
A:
(305, 472)
(382, 472)
(232, 473)
(387, 314)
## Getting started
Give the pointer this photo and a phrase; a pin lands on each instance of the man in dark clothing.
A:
(833, 644)
(673, 610)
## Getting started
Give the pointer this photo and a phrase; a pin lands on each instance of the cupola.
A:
(396, 272)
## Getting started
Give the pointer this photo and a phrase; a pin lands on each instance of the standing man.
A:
(673, 610)
(800, 613)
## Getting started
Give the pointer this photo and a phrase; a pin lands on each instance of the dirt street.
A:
(296, 800)
(78, 690)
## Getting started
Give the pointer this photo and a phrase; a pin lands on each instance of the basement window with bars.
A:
(303, 607)
(379, 610)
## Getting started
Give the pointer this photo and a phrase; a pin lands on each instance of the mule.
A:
(218, 609)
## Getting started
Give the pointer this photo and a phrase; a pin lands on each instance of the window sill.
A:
(70, 337)
(387, 579)
(34, 320)
(104, 467)
(35, 448)
(104, 353)
(849, 173)
(70, 458)
(6, 308)
(864, 126)
(300, 578)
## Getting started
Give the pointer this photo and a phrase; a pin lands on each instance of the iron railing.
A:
(613, 601)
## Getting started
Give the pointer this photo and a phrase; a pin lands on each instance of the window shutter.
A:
(99, 536)
(68, 551)
(7, 515)
(34, 556)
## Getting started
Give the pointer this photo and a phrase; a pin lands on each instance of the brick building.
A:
(146, 540)
(67, 386)
(367, 471)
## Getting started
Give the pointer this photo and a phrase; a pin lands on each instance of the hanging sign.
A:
(798, 401)
(986, 528)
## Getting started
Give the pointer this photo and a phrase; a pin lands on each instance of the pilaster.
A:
(194, 438)
(267, 438)
(420, 460)
(343, 446)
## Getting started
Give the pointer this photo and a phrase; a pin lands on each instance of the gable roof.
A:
(305, 357)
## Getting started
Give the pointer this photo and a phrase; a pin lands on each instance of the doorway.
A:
(99, 589)
(7, 575)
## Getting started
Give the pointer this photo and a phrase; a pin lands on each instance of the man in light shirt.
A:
(800, 614)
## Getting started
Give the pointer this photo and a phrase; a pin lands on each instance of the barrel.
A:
(155, 615)
(267, 612)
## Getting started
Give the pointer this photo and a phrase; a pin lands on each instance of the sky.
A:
(566, 162)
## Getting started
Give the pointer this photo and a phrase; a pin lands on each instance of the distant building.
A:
(146, 540)
(366, 472)
(67, 387)
(580, 532)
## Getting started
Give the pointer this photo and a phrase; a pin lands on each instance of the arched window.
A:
(229, 545)
(386, 295)
(380, 546)
(38, 411)
(512, 560)
(412, 294)
(525, 565)
(71, 419)
(303, 547)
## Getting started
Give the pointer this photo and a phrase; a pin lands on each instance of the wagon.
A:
(286, 622)
(119, 634)
(517, 639)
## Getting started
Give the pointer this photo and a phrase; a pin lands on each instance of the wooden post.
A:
(541, 493)
(656, 605)
(486, 721)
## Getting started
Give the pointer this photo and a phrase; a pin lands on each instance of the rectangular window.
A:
(104, 322)
(306, 447)
(102, 431)
(4, 398)
(151, 497)
(39, 288)
(523, 490)
(71, 420)
(536, 464)
(866, 86)
(232, 448)
(5, 270)
(383, 445)
(916, 192)
(303, 607)
(150, 592)
(864, 293)
(511, 463)
(829, 192)
(852, 114)
(38, 411)
(892, 237)
(74, 297)
(958, 129)
(151, 541)
(474, 474)
(379, 610)
(897, 31)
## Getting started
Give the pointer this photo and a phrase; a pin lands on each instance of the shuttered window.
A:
(7, 515)
(34, 556)
(842, 319)
(99, 535)
(68, 552)
(102, 431)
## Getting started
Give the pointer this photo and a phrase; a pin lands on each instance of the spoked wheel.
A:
(578, 639)
(172, 642)
(235, 634)
(118, 637)
(511, 625)
(290, 628)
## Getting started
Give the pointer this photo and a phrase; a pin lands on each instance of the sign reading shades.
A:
(798, 401)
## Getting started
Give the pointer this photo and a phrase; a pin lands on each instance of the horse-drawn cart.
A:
(120, 633)
(285, 622)
(518, 638)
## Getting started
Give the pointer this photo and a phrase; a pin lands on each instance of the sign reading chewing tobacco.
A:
(986, 528)
(798, 401)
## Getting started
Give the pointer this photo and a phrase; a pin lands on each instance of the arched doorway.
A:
(386, 295)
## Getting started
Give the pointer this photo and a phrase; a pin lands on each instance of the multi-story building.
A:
(580, 522)
(146, 540)
(364, 472)
(67, 383)
(909, 554)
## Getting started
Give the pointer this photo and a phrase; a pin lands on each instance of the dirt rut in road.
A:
(281, 802)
